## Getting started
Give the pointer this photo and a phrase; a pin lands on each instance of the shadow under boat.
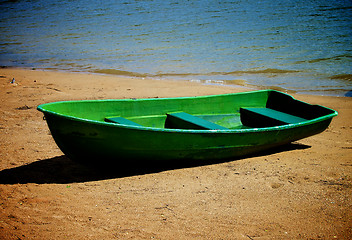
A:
(62, 170)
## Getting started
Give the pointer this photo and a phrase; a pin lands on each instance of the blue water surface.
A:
(303, 46)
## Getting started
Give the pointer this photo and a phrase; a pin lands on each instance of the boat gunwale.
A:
(144, 128)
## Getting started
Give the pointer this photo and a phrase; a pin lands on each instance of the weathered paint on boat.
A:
(81, 129)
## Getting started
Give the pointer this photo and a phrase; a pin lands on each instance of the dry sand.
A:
(300, 191)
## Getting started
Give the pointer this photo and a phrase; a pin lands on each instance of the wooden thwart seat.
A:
(182, 120)
(263, 117)
(121, 120)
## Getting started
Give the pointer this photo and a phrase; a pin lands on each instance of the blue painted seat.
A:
(265, 117)
(121, 120)
(182, 120)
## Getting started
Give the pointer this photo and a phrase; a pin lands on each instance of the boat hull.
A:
(122, 144)
(90, 141)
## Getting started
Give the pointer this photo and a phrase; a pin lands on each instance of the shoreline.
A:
(300, 191)
(208, 79)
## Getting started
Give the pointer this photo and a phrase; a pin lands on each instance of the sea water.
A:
(295, 45)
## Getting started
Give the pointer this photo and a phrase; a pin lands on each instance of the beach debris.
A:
(25, 107)
(13, 82)
(55, 89)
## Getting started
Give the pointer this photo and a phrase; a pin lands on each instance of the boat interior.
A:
(258, 109)
(247, 118)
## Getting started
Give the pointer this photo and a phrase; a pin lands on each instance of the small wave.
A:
(238, 72)
(136, 74)
(262, 71)
(327, 92)
(179, 74)
(347, 77)
(334, 58)
(10, 43)
(120, 72)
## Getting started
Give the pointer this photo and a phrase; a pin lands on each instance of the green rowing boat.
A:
(189, 128)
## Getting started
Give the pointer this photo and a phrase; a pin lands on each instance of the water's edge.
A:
(201, 79)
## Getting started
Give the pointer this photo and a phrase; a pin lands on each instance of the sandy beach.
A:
(300, 191)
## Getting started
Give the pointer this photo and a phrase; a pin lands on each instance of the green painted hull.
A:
(81, 132)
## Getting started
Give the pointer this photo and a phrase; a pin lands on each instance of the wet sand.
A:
(300, 191)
